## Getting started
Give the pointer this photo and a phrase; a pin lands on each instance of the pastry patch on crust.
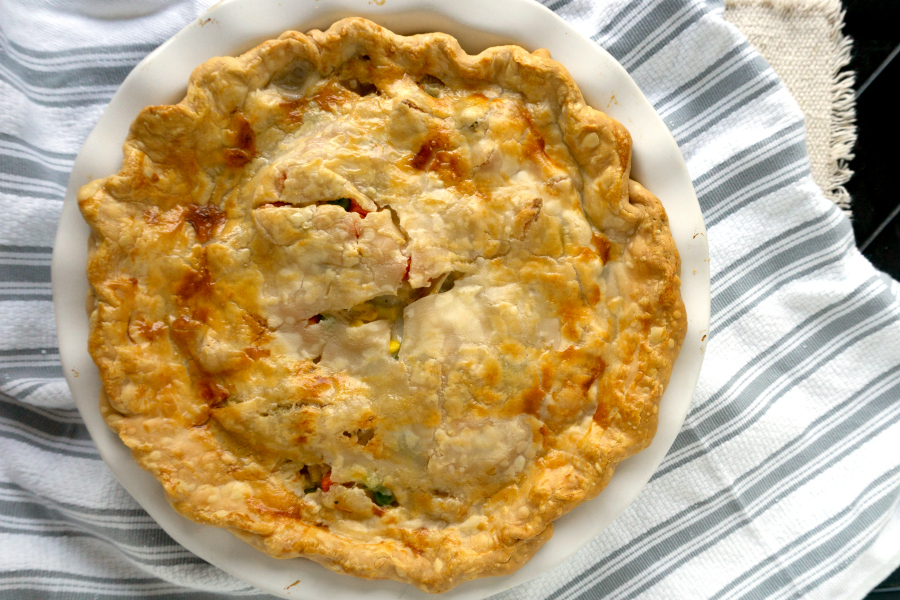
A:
(373, 301)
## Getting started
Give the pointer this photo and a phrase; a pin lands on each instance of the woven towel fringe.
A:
(843, 116)
(842, 129)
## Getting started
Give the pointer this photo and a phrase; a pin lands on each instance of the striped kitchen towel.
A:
(784, 481)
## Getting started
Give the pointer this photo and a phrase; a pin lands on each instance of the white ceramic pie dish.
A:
(235, 26)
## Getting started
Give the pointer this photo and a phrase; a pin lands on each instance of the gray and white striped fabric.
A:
(784, 481)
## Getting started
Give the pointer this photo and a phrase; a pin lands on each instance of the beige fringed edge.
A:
(843, 115)
(842, 132)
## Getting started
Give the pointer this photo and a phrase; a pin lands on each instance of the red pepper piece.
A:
(356, 208)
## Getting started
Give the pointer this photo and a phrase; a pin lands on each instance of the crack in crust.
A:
(373, 301)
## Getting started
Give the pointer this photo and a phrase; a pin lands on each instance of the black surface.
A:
(873, 25)
(889, 589)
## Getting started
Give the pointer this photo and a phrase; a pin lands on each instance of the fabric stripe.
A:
(49, 529)
(18, 414)
(750, 156)
(735, 272)
(38, 579)
(823, 450)
(48, 79)
(32, 171)
(738, 298)
(814, 451)
(789, 349)
(662, 36)
(12, 146)
(147, 546)
(558, 4)
(712, 115)
(17, 272)
(31, 186)
(62, 415)
(768, 259)
(870, 506)
(23, 264)
(67, 96)
(18, 433)
(35, 589)
(20, 423)
(734, 308)
(620, 18)
(102, 514)
(22, 387)
(13, 378)
(772, 183)
(748, 406)
(631, 27)
(88, 55)
(36, 295)
(707, 79)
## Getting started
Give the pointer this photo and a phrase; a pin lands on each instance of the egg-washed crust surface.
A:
(368, 299)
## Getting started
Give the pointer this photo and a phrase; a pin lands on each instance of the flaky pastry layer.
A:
(371, 300)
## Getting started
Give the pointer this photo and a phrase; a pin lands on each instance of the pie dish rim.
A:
(66, 271)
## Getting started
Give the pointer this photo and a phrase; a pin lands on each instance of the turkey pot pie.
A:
(373, 301)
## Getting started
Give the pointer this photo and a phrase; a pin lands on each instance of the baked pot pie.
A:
(370, 300)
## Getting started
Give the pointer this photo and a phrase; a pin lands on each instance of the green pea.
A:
(342, 202)
(383, 496)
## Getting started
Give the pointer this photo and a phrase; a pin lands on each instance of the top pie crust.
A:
(313, 202)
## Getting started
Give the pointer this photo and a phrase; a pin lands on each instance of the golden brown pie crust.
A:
(368, 299)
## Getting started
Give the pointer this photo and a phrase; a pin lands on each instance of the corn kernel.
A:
(395, 346)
